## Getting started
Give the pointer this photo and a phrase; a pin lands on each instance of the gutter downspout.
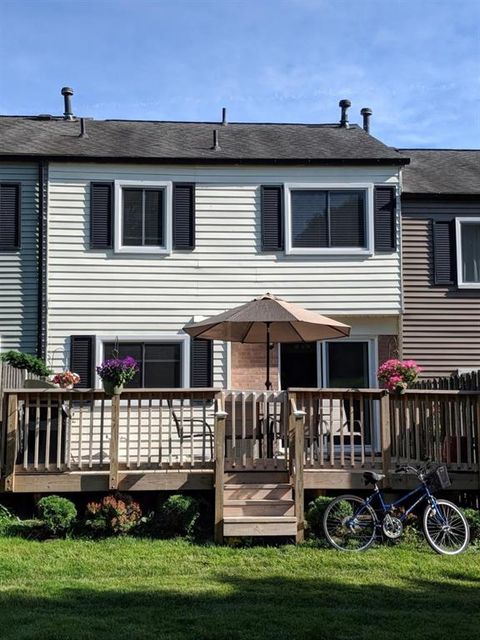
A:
(42, 308)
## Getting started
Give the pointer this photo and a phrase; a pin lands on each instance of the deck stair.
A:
(253, 508)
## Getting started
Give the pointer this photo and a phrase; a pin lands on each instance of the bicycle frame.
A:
(422, 488)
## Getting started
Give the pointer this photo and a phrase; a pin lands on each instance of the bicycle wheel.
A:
(349, 523)
(446, 528)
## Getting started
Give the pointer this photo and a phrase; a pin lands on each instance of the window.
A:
(468, 252)
(143, 222)
(160, 363)
(329, 220)
(143, 212)
(9, 217)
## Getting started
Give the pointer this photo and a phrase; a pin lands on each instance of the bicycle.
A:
(351, 523)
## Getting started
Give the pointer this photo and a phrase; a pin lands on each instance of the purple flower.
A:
(118, 370)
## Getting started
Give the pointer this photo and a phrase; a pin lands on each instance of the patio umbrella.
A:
(265, 320)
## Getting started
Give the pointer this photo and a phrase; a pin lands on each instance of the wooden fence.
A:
(466, 381)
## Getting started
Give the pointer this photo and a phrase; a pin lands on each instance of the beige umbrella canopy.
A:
(265, 320)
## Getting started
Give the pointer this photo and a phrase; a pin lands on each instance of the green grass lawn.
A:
(138, 589)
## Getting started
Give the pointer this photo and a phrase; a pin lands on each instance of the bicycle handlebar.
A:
(418, 471)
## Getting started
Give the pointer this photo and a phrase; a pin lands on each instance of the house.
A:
(143, 226)
(441, 260)
(115, 234)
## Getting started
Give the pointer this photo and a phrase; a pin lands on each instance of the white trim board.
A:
(182, 338)
(458, 241)
(368, 187)
(167, 216)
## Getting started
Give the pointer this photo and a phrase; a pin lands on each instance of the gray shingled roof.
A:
(191, 141)
(442, 171)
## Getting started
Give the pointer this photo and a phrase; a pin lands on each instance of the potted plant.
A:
(398, 375)
(66, 379)
(117, 372)
(31, 364)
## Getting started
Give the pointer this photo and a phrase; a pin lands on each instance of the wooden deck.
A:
(194, 439)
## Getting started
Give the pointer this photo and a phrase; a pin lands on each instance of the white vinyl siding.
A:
(102, 292)
(19, 268)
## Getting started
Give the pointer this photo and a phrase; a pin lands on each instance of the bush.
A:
(114, 515)
(314, 515)
(178, 516)
(28, 529)
(32, 364)
(6, 520)
(473, 519)
(58, 514)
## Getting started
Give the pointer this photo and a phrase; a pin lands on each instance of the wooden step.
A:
(259, 508)
(256, 477)
(259, 526)
(252, 491)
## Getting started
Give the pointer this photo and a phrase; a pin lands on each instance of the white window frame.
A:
(182, 338)
(372, 357)
(368, 187)
(458, 240)
(167, 212)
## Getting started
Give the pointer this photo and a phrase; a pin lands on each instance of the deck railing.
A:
(60, 431)
(56, 431)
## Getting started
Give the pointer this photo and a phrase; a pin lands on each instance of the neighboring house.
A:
(441, 260)
(148, 225)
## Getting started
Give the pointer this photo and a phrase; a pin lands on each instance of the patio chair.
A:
(187, 434)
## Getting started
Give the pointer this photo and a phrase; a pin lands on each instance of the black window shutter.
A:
(201, 363)
(9, 217)
(385, 219)
(183, 216)
(444, 254)
(82, 360)
(101, 215)
(272, 218)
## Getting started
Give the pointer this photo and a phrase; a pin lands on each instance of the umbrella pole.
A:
(268, 384)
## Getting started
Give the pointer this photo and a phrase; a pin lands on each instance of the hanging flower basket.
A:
(117, 372)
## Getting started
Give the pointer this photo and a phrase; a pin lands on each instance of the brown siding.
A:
(441, 324)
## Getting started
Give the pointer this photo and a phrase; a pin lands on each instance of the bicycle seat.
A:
(371, 478)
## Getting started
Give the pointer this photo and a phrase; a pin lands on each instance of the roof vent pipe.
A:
(224, 116)
(344, 105)
(83, 129)
(216, 145)
(366, 112)
(67, 94)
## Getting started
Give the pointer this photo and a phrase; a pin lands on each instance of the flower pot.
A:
(67, 387)
(111, 388)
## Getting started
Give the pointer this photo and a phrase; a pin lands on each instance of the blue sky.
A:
(416, 63)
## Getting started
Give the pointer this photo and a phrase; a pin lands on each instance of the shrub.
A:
(32, 364)
(58, 514)
(473, 519)
(114, 515)
(315, 513)
(179, 516)
(28, 529)
(6, 520)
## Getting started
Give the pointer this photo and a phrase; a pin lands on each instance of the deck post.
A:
(11, 446)
(296, 463)
(219, 433)
(114, 440)
(385, 434)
